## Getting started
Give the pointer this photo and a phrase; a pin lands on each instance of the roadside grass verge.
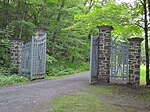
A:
(142, 75)
(103, 98)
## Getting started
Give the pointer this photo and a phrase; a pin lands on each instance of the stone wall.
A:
(104, 53)
(134, 60)
(15, 51)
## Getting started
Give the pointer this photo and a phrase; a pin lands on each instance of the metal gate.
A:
(119, 62)
(94, 59)
(34, 57)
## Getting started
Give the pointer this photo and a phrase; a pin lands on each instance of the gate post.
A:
(104, 53)
(40, 31)
(134, 60)
(15, 50)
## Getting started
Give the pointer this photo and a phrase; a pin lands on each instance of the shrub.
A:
(7, 78)
(60, 68)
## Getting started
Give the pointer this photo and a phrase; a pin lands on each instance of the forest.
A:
(70, 24)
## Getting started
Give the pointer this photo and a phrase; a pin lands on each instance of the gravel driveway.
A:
(22, 98)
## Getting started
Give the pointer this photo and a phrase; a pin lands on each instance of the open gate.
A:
(119, 62)
(94, 59)
(34, 57)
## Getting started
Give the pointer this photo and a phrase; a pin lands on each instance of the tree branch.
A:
(85, 2)
(90, 6)
(142, 2)
(139, 25)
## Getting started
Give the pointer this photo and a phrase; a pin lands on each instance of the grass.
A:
(103, 98)
(85, 101)
(142, 75)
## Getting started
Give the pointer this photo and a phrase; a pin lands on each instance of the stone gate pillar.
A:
(104, 53)
(15, 50)
(40, 32)
(134, 60)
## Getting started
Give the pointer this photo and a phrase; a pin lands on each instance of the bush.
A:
(6, 78)
(4, 52)
(63, 68)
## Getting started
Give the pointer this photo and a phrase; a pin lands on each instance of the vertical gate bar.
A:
(25, 58)
(127, 73)
(97, 54)
(36, 56)
(32, 45)
(111, 65)
(91, 59)
(45, 55)
(123, 63)
(115, 63)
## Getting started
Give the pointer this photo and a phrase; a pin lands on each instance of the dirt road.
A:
(22, 98)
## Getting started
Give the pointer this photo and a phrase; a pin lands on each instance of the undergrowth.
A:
(55, 69)
(64, 68)
(7, 78)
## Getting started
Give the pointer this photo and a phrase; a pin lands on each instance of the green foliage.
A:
(5, 34)
(13, 79)
(5, 71)
(6, 77)
(27, 32)
(50, 59)
(4, 52)
(118, 16)
(142, 75)
(64, 68)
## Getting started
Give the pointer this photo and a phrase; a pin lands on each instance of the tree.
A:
(146, 40)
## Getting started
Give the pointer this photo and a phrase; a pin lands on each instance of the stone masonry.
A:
(104, 53)
(15, 51)
(134, 60)
(40, 32)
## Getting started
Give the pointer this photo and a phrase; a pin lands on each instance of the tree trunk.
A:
(146, 42)
(73, 59)
(57, 26)
(7, 13)
(23, 18)
(4, 13)
(90, 6)
(149, 9)
(18, 10)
